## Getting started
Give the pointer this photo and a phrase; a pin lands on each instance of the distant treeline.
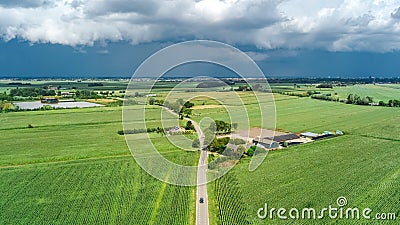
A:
(31, 92)
(303, 80)
(19, 83)
(351, 98)
(357, 100)
(38, 92)
(298, 94)
(211, 84)
(95, 85)
(158, 130)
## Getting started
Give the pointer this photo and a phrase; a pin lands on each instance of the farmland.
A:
(72, 167)
(362, 165)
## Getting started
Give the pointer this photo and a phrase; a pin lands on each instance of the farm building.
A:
(49, 100)
(176, 130)
(338, 132)
(269, 139)
(315, 136)
(283, 137)
(251, 134)
(310, 135)
(266, 143)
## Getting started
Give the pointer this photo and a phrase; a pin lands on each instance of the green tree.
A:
(151, 101)
(196, 143)
(189, 125)
(250, 151)
(188, 104)
(350, 99)
(186, 112)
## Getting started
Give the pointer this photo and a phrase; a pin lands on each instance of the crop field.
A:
(73, 168)
(380, 92)
(363, 165)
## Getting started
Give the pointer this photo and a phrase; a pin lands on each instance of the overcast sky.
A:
(285, 37)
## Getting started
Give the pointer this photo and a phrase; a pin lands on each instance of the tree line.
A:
(31, 92)
(355, 99)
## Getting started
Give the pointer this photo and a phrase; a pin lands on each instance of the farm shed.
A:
(49, 100)
(265, 142)
(310, 135)
(250, 134)
(176, 130)
(283, 137)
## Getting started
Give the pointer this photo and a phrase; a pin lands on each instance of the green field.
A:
(379, 92)
(363, 165)
(72, 167)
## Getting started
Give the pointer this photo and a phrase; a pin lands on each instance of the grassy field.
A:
(379, 92)
(363, 165)
(72, 167)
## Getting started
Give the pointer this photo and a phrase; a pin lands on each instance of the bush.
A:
(196, 143)
(325, 86)
(189, 125)
(253, 150)
(250, 151)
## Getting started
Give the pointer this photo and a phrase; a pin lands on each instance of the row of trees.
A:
(327, 97)
(390, 103)
(222, 127)
(139, 131)
(31, 92)
(297, 94)
(325, 86)
(38, 92)
(358, 100)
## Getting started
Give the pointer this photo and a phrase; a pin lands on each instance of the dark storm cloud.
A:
(25, 3)
(396, 14)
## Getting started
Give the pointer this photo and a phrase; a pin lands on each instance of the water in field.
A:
(65, 105)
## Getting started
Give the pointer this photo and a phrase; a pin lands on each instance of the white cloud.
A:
(258, 56)
(336, 25)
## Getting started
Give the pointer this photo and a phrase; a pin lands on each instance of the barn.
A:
(265, 142)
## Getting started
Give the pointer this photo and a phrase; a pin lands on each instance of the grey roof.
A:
(264, 140)
(264, 133)
(309, 134)
(285, 137)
